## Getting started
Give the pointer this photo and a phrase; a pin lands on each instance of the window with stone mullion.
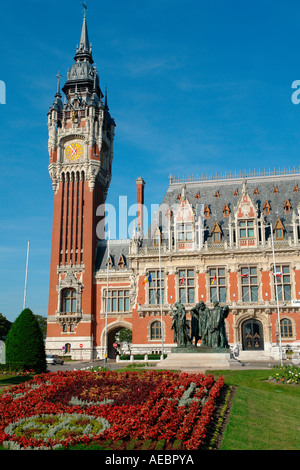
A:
(249, 282)
(156, 287)
(283, 281)
(217, 285)
(118, 300)
(186, 286)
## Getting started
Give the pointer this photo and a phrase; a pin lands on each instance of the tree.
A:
(125, 335)
(4, 327)
(42, 321)
(124, 339)
(25, 345)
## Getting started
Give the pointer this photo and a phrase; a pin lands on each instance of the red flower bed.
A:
(151, 405)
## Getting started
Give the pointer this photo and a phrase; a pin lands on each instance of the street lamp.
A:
(106, 310)
(161, 308)
(276, 294)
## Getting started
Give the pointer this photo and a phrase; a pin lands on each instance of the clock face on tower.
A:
(74, 151)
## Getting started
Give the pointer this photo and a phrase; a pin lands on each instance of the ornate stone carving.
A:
(70, 281)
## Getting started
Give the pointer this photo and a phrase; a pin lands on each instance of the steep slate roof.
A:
(116, 249)
(226, 189)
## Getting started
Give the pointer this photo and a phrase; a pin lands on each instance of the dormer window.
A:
(121, 262)
(226, 210)
(157, 237)
(110, 263)
(184, 225)
(267, 208)
(206, 212)
(185, 233)
(246, 228)
(278, 230)
(216, 233)
(287, 207)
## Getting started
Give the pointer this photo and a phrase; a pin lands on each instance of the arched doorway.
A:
(111, 352)
(252, 335)
(112, 330)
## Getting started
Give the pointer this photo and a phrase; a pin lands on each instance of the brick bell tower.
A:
(81, 135)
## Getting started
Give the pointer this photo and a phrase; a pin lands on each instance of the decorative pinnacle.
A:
(58, 84)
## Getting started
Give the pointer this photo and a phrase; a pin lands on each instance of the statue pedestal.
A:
(193, 359)
(199, 350)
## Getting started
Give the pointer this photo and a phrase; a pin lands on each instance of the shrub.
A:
(24, 344)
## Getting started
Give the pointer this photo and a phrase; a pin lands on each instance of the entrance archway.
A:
(252, 335)
(111, 352)
(112, 330)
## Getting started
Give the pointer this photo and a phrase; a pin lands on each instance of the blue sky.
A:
(194, 86)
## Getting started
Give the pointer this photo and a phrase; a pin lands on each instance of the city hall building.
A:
(233, 238)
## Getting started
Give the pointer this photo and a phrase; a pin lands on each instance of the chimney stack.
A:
(140, 184)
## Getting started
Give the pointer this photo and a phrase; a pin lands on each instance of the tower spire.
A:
(84, 51)
(84, 38)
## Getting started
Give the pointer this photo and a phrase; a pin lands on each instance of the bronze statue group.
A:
(206, 325)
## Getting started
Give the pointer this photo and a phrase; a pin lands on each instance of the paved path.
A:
(78, 365)
(113, 365)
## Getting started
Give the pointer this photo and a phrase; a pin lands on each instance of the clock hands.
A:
(74, 151)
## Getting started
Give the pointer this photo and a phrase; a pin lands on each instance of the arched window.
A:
(67, 348)
(69, 301)
(155, 331)
(286, 328)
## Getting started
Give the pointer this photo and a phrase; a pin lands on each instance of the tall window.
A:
(246, 228)
(283, 281)
(217, 285)
(69, 301)
(185, 233)
(155, 330)
(118, 301)
(286, 328)
(186, 286)
(249, 284)
(156, 287)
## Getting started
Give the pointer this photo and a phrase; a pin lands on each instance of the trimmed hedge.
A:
(24, 345)
(140, 357)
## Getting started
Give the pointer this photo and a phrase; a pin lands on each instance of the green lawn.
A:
(9, 379)
(264, 415)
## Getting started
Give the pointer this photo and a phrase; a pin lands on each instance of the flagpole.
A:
(161, 309)
(276, 291)
(106, 310)
(26, 273)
